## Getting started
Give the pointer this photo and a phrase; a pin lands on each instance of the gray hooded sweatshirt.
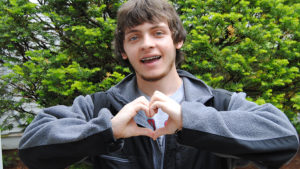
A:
(215, 136)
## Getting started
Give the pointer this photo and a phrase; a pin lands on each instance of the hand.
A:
(123, 124)
(169, 106)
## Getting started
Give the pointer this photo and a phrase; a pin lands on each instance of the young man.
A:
(158, 117)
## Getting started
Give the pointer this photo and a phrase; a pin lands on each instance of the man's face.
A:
(150, 50)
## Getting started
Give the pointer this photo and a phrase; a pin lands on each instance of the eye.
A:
(159, 33)
(133, 38)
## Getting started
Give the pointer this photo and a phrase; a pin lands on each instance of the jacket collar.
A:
(194, 88)
(127, 90)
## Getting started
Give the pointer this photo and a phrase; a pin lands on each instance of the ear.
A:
(124, 56)
(179, 44)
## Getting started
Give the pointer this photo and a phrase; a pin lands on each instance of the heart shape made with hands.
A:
(124, 126)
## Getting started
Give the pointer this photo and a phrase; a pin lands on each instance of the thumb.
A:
(159, 132)
(140, 131)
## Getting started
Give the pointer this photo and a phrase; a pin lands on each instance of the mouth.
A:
(150, 59)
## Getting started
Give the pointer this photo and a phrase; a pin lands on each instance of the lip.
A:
(151, 62)
(149, 56)
(150, 59)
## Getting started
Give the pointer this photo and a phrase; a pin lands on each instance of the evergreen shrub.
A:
(55, 50)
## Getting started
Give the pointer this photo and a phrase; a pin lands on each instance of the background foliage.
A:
(55, 50)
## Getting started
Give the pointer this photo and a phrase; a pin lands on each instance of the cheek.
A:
(168, 45)
(127, 53)
(169, 49)
(131, 51)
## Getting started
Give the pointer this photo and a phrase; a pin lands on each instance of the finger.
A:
(153, 111)
(158, 96)
(158, 104)
(131, 109)
(144, 101)
(140, 100)
(139, 107)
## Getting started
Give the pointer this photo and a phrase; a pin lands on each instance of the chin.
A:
(153, 78)
(156, 74)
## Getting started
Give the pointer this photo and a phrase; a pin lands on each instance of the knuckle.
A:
(157, 92)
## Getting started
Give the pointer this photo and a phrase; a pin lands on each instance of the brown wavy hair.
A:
(137, 12)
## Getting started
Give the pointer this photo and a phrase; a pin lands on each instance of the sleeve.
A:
(61, 135)
(262, 134)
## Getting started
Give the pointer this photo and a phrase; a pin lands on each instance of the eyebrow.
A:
(131, 31)
(135, 30)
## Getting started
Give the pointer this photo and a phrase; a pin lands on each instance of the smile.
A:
(150, 59)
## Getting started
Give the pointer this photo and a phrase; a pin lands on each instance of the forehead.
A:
(147, 26)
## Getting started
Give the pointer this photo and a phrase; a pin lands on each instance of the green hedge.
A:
(58, 49)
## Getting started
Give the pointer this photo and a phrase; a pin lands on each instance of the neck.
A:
(167, 85)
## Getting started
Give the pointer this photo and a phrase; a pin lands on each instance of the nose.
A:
(147, 42)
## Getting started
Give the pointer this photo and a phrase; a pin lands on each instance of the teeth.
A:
(150, 58)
